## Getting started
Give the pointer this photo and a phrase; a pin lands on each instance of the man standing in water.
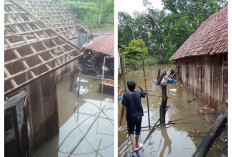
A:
(134, 111)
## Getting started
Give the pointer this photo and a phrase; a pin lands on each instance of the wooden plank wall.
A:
(43, 110)
(213, 67)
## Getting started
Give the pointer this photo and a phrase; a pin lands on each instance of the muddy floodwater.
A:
(171, 140)
(85, 121)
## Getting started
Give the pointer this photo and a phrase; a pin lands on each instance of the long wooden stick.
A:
(124, 71)
(145, 81)
(89, 128)
(151, 130)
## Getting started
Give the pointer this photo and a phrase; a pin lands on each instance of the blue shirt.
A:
(132, 101)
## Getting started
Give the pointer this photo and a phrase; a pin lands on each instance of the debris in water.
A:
(172, 90)
(192, 100)
(206, 110)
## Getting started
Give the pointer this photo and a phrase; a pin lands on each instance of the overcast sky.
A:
(130, 6)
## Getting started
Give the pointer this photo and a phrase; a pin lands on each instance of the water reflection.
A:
(170, 141)
(167, 141)
(86, 121)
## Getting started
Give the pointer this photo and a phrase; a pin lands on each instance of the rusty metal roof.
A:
(31, 48)
(210, 38)
(103, 43)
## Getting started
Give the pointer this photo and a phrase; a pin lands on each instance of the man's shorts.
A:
(131, 126)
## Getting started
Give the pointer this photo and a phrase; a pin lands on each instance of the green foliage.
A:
(90, 11)
(149, 61)
(133, 53)
(164, 31)
(185, 17)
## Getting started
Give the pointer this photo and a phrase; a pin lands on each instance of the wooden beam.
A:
(209, 139)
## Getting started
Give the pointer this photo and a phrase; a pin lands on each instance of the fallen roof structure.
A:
(55, 17)
(31, 48)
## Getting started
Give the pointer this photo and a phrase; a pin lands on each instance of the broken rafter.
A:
(89, 128)
(30, 44)
(54, 16)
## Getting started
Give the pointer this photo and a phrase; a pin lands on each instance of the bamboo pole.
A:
(89, 128)
(145, 81)
(124, 71)
(151, 131)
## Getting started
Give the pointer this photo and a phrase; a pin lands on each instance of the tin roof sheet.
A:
(103, 43)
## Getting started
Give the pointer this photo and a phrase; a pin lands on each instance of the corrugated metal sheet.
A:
(103, 43)
(209, 39)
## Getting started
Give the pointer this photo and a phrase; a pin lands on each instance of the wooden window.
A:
(187, 75)
(225, 61)
(8, 121)
(225, 84)
(201, 78)
(179, 73)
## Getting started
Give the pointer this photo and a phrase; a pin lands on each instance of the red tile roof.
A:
(210, 38)
(103, 43)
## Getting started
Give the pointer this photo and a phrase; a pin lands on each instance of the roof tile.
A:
(210, 38)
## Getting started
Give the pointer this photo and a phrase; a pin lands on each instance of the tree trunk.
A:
(213, 133)
(163, 104)
(160, 78)
(158, 75)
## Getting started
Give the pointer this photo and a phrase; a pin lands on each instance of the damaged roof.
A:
(103, 43)
(55, 17)
(210, 38)
(31, 48)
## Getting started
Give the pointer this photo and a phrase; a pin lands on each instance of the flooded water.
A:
(170, 140)
(86, 122)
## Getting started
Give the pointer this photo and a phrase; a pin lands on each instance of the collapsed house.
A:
(202, 61)
(34, 51)
(98, 61)
(99, 56)
(63, 23)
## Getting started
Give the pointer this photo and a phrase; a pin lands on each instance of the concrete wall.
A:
(212, 82)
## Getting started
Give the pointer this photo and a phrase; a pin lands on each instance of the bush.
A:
(133, 64)
(149, 61)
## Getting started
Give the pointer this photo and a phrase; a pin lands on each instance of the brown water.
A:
(167, 140)
(77, 115)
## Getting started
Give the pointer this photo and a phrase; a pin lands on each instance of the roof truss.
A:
(54, 16)
(31, 48)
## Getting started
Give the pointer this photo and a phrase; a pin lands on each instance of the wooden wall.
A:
(206, 79)
(43, 110)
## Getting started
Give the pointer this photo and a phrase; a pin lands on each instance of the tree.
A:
(125, 29)
(184, 18)
(133, 53)
(165, 31)
(90, 11)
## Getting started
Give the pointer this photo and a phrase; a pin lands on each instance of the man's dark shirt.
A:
(132, 101)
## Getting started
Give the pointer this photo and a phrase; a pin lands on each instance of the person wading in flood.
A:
(134, 112)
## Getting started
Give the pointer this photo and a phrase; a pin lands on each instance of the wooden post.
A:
(213, 133)
(72, 75)
(163, 104)
(145, 81)
(158, 75)
(124, 71)
(160, 78)
(79, 83)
